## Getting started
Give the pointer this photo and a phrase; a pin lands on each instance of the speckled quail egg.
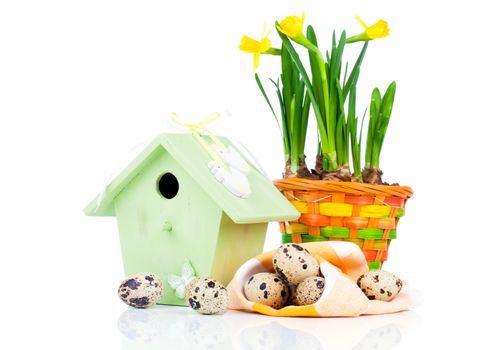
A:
(294, 263)
(309, 291)
(141, 290)
(380, 285)
(207, 296)
(268, 289)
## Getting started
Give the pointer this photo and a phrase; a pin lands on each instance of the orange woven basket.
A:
(361, 213)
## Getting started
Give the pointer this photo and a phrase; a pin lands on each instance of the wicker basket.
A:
(345, 211)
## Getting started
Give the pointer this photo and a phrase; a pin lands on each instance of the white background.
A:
(83, 82)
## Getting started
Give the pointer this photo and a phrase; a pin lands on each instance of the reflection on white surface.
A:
(275, 336)
(170, 327)
(385, 337)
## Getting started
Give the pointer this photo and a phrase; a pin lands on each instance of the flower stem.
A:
(273, 51)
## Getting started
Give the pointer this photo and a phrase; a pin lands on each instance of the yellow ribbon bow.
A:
(202, 125)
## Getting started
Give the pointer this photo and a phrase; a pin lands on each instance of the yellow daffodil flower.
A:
(375, 31)
(292, 26)
(256, 47)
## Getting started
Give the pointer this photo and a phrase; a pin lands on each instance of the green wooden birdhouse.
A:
(172, 204)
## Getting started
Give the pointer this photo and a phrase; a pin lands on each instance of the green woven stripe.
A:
(400, 212)
(338, 232)
(374, 233)
(362, 233)
(308, 238)
(287, 238)
(379, 244)
(375, 265)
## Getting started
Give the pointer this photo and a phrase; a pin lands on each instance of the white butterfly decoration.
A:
(179, 283)
(234, 181)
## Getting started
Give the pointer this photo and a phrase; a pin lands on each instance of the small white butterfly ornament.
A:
(179, 283)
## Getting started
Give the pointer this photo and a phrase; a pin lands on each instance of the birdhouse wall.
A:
(157, 234)
(236, 244)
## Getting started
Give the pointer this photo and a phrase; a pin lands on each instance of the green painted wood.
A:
(236, 244)
(265, 204)
(204, 222)
(142, 214)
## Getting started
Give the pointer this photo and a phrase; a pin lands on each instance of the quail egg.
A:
(141, 290)
(309, 291)
(380, 285)
(294, 264)
(207, 296)
(268, 289)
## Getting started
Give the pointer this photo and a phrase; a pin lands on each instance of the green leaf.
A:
(375, 104)
(341, 126)
(333, 109)
(295, 58)
(385, 114)
(285, 128)
(339, 91)
(345, 74)
(287, 82)
(297, 113)
(258, 81)
(334, 43)
(339, 56)
(340, 142)
(316, 78)
(285, 139)
(371, 131)
(354, 76)
(361, 130)
(352, 127)
(388, 99)
(336, 107)
(333, 53)
(304, 120)
(293, 130)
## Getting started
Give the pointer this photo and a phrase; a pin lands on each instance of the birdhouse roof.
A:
(264, 204)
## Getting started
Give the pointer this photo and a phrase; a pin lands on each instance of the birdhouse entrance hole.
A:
(168, 186)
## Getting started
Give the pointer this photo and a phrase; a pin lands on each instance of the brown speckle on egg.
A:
(298, 247)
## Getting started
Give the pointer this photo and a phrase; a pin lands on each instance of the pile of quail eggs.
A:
(297, 281)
